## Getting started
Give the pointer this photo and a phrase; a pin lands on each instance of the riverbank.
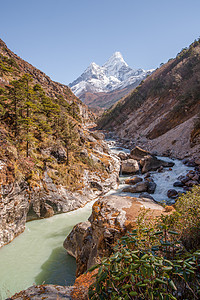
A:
(164, 181)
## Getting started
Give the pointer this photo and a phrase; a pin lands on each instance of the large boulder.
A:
(151, 187)
(173, 194)
(137, 188)
(133, 180)
(123, 155)
(129, 166)
(98, 135)
(178, 184)
(197, 161)
(146, 196)
(152, 163)
(138, 153)
(111, 217)
(45, 291)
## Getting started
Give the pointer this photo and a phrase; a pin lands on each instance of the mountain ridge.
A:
(114, 75)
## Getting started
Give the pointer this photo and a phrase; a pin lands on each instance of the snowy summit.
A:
(114, 74)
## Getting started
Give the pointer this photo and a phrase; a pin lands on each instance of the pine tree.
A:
(16, 103)
(30, 108)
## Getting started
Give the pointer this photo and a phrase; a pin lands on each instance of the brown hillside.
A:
(105, 100)
(49, 162)
(18, 67)
(166, 99)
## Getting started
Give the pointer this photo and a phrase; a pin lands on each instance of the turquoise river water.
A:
(37, 256)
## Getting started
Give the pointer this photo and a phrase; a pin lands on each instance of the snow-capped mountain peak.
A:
(114, 74)
(116, 58)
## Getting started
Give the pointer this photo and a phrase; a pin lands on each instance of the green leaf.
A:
(188, 265)
(158, 280)
(158, 232)
(132, 278)
(145, 256)
(173, 232)
(126, 286)
(102, 277)
(147, 281)
(134, 256)
(93, 268)
(142, 285)
(132, 293)
(167, 268)
(171, 283)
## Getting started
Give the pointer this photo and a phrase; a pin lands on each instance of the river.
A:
(37, 256)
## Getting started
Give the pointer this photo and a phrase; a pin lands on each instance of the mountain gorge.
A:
(163, 113)
(49, 162)
(103, 86)
(52, 161)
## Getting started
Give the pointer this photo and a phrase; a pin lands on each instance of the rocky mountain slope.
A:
(49, 162)
(163, 113)
(103, 86)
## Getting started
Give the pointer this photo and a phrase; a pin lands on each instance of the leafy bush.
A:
(187, 218)
(152, 261)
(148, 264)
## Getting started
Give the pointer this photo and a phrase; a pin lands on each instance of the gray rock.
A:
(173, 194)
(138, 153)
(152, 163)
(133, 180)
(46, 291)
(151, 187)
(137, 188)
(178, 184)
(129, 166)
(197, 161)
(96, 185)
(191, 183)
(191, 163)
(98, 135)
(84, 152)
(76, 237)
(146, 195)
(184, 179)
(14, 207)
(123, 155)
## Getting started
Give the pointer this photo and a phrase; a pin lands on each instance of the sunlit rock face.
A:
(111, 217)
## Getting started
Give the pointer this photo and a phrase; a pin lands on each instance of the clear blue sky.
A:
(62, 37)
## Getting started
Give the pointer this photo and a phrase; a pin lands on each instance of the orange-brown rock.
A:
(133, 180)
(111, 217)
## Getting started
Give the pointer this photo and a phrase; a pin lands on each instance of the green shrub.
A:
(153, 261)
(148, 264)
(188, 218)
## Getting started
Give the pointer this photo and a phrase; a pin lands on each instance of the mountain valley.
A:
(143, 225)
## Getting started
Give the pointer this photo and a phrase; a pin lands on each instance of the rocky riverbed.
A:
(114, 214)
(145, 181)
